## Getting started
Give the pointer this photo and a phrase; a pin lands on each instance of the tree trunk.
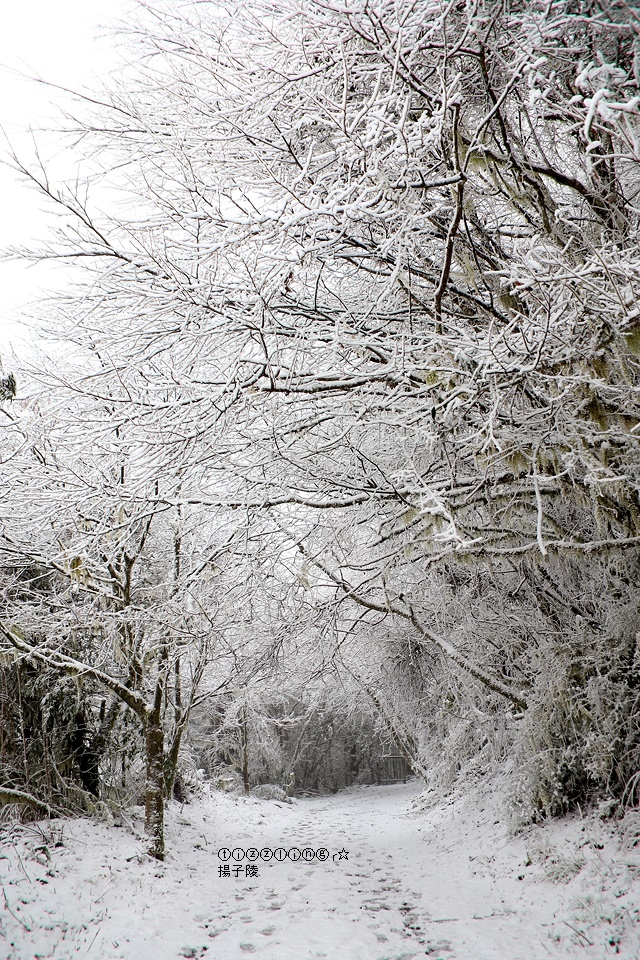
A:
(154, 786)
(245, 751)
(171, 764)
(173, 752)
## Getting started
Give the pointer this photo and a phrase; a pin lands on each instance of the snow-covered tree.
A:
(374, 282)
(106, 580)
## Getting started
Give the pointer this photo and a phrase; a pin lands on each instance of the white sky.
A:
(63, 42)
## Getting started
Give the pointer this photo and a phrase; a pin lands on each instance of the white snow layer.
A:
(443, 880)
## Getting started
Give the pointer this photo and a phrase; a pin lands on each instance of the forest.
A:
(331, 451)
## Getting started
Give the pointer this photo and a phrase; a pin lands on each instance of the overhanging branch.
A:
(450, 651)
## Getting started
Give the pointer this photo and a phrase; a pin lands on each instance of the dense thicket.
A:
(372, 299)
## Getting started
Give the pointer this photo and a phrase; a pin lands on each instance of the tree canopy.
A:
(362, 314)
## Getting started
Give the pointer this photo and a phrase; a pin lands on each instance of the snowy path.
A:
(444, 883)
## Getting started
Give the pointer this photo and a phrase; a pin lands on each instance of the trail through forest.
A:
(327, 447)
(399, 880)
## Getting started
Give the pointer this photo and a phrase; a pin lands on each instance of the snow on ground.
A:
(402, 879)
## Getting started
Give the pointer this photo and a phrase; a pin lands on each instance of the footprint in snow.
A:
(193, 953)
